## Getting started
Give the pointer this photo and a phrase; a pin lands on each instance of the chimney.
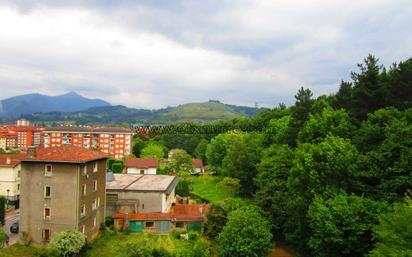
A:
(31, 152)
(8, 160)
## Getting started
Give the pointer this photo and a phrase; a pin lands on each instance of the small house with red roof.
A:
(198, 166)
(62, 188)
(190, 217)
(141, 166)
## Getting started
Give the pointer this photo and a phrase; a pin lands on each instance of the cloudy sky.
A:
(155, 53)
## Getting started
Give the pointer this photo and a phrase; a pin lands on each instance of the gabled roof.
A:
(11, 160)
(197, 163)
(180, 212)
(141, 163)
(64, 153)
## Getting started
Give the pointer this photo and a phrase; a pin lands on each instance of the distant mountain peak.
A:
(32, 103)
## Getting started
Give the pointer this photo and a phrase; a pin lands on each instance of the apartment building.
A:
(21, 135)
(62, 188)
(115, 141)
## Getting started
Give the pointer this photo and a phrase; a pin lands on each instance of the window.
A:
(94, 222)
(83, 229)
(84, 169)
(47, 191)
(83, 210)
(149, 224)
(98, 202)
(46, 234)
(84, 190)
(94, 185)
(95, 167)
(142, 206)
(48, 170)
(94, 204)
(18, 173)
(47, 213)
(180, 224)
(18, 187)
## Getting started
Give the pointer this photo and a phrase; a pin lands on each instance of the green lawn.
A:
(18, 250)
(208, 188)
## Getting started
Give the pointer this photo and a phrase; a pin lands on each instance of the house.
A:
(10, 176)
(141, 166)
(62, 188)
(130, 193)
(189, 217)
(198, 166)
(111, 140)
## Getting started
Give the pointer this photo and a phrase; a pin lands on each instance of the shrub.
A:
(232, 184)
(183, 188)
(68, 243)
(117, 167)
(109, 221)
(3, 237)
(138, 249)
(161, 252)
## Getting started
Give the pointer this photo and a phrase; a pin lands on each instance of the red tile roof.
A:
(197, 163)
(11, 160)
(142, 163)
(180, 212)
(65, 153)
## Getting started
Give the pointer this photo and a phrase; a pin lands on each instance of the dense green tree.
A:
(393, 234)
(300, 113)
(200, 151)
(370, 89)
(242, 154)
(385, 172)
(68, 243)
(271, 184)
(215, 152)
(187, 142)
(2, 209)
(328, 122)
(343, 98)
(246, 234)
(181, 163)
(341, 226)
(400, 81)
(152, 150)
(277, 131)
(183, 188)
(216, 218)
(138, 145)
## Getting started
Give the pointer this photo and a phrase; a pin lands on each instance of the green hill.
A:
(199, 112)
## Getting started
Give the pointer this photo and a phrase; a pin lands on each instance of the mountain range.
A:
(75, 109)
(16, 106)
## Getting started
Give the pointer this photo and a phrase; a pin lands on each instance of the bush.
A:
(3, 237)
(138, 249)
(117, 167)
(68, 243)
(183, 188)
(232, 184)
(109, 221)
(161, 252)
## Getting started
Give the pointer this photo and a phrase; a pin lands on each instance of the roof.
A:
(197, 163)
(146, 183)
(64, 153)
(142, 163)
(11, 160)
(180, 212)
(89, 129)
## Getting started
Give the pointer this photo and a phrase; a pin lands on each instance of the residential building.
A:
(130, 193)
(198, 166)
(115, 141)
(10, 171)
(21, 135)
(190, 217)
(141, 166)
(62, 188)
(3, 142)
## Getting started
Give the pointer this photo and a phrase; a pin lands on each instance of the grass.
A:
(19, 250)
(207, 187)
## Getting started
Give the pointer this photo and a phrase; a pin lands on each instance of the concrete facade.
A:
(140, 193)
(10, 180)
(65, 201)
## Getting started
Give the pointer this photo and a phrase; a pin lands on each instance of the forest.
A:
(331, 176)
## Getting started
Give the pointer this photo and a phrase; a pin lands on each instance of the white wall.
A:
(149, 171)
(9, 180)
